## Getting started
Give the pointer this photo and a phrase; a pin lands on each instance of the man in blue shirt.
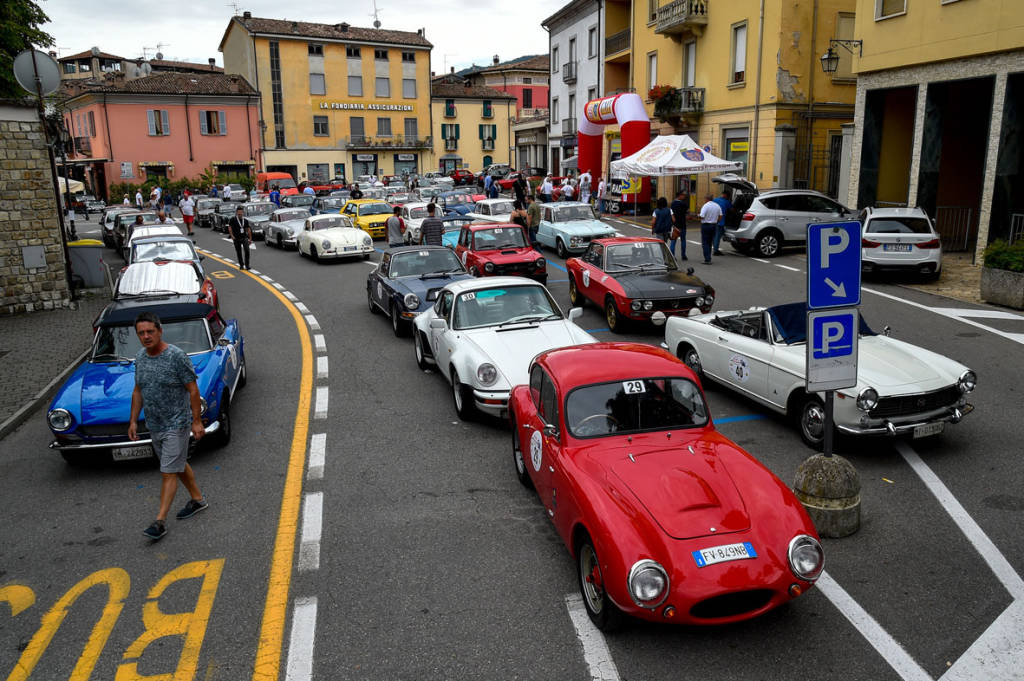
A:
(725, 204)
(275, 196)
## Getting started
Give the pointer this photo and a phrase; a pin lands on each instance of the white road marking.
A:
(303, 638)
(302, 308)
(277, 286)
(321, 344)
(1015, 337)
(320, 411)
(891, 651)
(313, 323)
(761, 260)
(321, 367)
(595, 649)
(978, 314)
(266, 278)
(255, 272)
(997, 652)
(317, 456)
(289, 295)
(787, 267)
(312, 530)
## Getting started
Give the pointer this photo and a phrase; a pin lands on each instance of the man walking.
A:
(602, 192)
(165, 384)
(275, 196)
(679, 207)
(240, 232)
(138, 199)
(396, 229)
(431, 228)
(726, 205)
(188, 212)
(585, 180)
(710, 214)
(545, 189)
(488, 183)
(533, 221)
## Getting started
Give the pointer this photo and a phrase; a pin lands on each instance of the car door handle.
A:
(527, 426)
(724, 340)
(551, 469)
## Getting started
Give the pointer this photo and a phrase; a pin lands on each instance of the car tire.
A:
(398, 325)
(369, 301)
(768, 243)
(243, 375)
(313, 255)
(560, 249)
(810, 420)
(517, 456)
(474, 271)
(223, 435)
(688, 355)
(366, 256)
(280, 241)
(421, 357)
(462, 397)
(616, 322)
(605, 615)
(575, 298)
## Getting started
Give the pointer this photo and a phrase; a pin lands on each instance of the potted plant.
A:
(667, 101)
(1002, 277)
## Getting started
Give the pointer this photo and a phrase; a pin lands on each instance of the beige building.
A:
(472, 125)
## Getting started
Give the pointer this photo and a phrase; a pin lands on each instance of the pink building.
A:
(170, 125)
(525, 78)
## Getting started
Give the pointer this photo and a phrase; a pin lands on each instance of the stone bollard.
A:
(829, 488)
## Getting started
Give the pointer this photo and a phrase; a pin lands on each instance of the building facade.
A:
(472, 125)
(531, 141)
(576, 46)
(171, 125)
(336, 100)
(940, 114)
(94, 64)
(525, 78)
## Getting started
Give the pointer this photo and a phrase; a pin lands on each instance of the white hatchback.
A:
(900, 239)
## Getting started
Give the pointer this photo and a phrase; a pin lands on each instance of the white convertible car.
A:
(902, 389)
(483, 333)
(333, 236)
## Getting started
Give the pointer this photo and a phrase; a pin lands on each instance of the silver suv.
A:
(765, 222)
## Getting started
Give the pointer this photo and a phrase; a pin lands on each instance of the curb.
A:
(46, 393)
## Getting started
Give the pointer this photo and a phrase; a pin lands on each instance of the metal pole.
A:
(829, 397)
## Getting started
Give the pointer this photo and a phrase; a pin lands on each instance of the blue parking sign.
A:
(832, 348)
(833, 264)
(832, 335)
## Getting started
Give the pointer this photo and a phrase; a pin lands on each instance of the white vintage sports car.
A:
(333, 236)
(483, 333)
(761, 352)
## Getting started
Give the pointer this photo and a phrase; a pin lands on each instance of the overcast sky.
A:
(463, 32)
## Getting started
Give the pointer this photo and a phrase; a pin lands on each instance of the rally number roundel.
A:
(536, 449)
(586, 278)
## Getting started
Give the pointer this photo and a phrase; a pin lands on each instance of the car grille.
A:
(514, 268)
(906, 405)
(109, 430)
(675, 303)
(729, 605)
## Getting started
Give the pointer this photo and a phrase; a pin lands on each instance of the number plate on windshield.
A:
(724, 553)
(899, 248)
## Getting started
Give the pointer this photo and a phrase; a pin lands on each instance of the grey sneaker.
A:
(191, 508)
(155, 531)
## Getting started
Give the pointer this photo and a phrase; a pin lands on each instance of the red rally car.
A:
(635, 279)
(489, 248)
(667, 519)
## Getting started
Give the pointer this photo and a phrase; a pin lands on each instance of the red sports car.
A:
(635, 279)
(667, 519)
(462, 176)
(494, 248)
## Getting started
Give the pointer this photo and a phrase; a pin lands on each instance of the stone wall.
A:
(32, 266)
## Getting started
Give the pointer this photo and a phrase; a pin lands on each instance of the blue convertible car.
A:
(91, 410)
(407, 282)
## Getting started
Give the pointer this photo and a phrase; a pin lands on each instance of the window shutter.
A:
(444, 131)
(165, 123)
(92, 124)
(202, 123)
(481, 131)
(222, 116)
(456, 131)
(151, 120)
(494, 132)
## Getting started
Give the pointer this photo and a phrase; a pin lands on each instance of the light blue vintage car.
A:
(569, 226)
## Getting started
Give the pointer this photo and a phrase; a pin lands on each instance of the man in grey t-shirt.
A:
(395, 229)
(165, 384)
(431, 229)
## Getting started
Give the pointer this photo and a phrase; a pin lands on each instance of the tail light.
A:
(747, 217)
(934, 243)
(867, 243)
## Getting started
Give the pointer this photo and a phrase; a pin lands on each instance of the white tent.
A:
(672, 155)
(74, 185)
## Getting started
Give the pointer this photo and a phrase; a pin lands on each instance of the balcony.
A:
(685, 102)
(682, 16)
(488, 144)
(569, 72)
(568, 127)
(618, 42)
(395, 142)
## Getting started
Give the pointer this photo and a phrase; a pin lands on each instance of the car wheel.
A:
(366, 256)
(312, 253)
(560, 249)
(517, 456)
(243, 375)
(768, 243)
(223, 435)
(691, 359)
(602, 612)
(474, 271)
(369, 301)
(398, 325)
(421, 358)
(280, 241)
(811, 421)
(575, 299)
(611, 314)
(462, 397)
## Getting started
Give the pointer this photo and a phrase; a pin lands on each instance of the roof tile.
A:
(304, 29)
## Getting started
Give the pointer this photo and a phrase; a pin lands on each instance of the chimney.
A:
(53, 54)
(295, 26)
(213, 64)
(433, 74)
(496, 60)
(247, 14)
(343, 27)
(419, 32)
(453, 70)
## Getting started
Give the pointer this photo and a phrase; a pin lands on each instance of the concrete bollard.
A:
(829, 488)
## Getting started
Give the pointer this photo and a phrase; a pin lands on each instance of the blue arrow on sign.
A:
(833, 264)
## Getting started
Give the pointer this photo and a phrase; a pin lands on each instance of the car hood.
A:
(260, 220)
(509, 256)
(892, 366)
(688, 495)
(342, 236)
(371, 219)
(106, 389)
(293, 227)
(513, 347)
(666, 284)
(591, 228)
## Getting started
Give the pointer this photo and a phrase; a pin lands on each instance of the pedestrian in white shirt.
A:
(545, 189)
(710, 214)
(138, 199)
(602, 191)
(585, 181)
(188, 212)
(126, 201)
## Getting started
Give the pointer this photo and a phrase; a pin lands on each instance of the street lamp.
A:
(830, 60)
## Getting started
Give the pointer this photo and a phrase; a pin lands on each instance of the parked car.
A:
(149, 231)
(219, 218)
(176, 248)
(236, 192)
(333, 236)
(163, 278)
(205, 210)
(124, 222)
(265, 182)
(298, 201)
(901, 239)
(90, 412)
(500, 249)
(258, 215)
(760, 352)
(370, 215)
(452, 229)
(90, 204)
(284, 227)
(330, 204)
(462, 176)
(413, 214)
(455, 202)
(666, 519)
(570, 226)
(491, 210)
(107, 224)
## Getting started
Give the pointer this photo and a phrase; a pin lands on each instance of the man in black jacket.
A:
(240, 232)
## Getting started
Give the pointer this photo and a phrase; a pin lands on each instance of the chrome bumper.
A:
(950, 415)
(499, 410)
(212, 428)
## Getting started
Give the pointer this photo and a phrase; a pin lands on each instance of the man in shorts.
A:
(188, 212)
(165, 383)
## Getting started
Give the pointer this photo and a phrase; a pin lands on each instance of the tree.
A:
(19, 30)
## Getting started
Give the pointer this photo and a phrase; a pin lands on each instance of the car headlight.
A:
(59, 419)
(648, 304)
(326, 244)
(806, 559)
(487, 374)
(574, 241)
(699, 302)
(202, 405)
(539, 264)
(489, 267)
(648, 584)
(967, 382)
(411, 300)
(636, 305)
(867, 399)
(367, 241)
(708, 300)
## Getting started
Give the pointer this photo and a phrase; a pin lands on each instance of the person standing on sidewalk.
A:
(240, 232)
(188, 212)
(533, 221)
(726, 205)
(710, 214)
(545, 189)
(165, 384)
(661, 220)
(679, 207)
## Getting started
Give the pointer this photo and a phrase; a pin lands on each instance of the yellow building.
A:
(939, 115)
(336, 100)
(472, 125)
(747, 84)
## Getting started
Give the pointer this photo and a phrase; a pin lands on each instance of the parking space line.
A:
(313, 323)
(264, 277)
(1015, 337)
(303, 638)
(979, 314)
(761, 260)
(997, 652)
(321, 367)
(302, 308)
(320, 412)
(317, 456)
(277, 286)
(256, 272)
(787, 267)
(601, 330)
(289, 295)
(320, 343)
(557, 281)
(595, 649)
(312, 530)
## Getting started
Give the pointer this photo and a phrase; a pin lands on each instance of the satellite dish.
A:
(45, 65)
(376, 23)
(95, 51)
(159, 55)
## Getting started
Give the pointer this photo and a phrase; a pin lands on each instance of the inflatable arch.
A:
(626, 109)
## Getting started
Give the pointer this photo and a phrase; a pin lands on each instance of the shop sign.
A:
(126, 169)
(406, 157)
(527, 139)
(739, 146)
(360, 106)
(365, 157)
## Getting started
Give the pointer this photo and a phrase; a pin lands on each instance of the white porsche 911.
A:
(333, 236)
(902, 389)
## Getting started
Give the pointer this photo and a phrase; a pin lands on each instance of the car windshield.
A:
(634, 406)
(301, 200)
(898, 225)
(455, 199)
(454, 225)
(504, 305)
(639, 255)
(260, 209)
(373, 193)
(291, 215)
(226, 208)
(375, 209)
(114, 343)
(427, 192)
(236, 187)
(330, 222)
(418, 213)
(332, 203)
(501, 208)
(498, 237)
(790, 322)
(341, 194)
(207, 204)
(416, 263)
(286, 183)
(568, 213)
(163, 250)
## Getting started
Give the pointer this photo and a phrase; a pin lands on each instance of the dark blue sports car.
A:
(456, 202)
(408, 280)
(91, 410)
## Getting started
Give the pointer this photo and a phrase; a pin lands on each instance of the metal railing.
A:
(451, 144)
(953, 223)
(393, 142)
(616, 43)
(1016, 227)
(681, 15)
(487, 144)
(569, 72)
(568, 126)
(83, 146)
(690, 100)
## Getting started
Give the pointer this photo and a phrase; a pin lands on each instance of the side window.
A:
(820, 204)
(536, 380)
(770, 203)
(793, 202)
(385, 264)
(547, 214)
(548, 401)
(446, 305)
(217, 326)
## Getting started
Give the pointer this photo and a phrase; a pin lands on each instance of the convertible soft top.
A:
(791, 321)
(124, 312)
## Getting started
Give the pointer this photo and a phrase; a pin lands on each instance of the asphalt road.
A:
(432, 562)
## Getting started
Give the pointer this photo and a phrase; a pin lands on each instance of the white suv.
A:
(900, 239)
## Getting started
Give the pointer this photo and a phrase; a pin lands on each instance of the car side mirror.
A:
(575, 313)
(550, 430)
(689, 270)
(887, 330)
(223, 342)
(438, 324)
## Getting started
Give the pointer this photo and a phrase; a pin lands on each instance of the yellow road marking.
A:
(18, 596)
(268, 653)
(222, 274)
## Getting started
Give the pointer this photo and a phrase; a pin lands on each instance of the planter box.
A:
(1002, 287)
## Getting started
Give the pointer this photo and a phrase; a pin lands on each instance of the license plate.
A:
(898, 248)
(126, 453)
(929, 429)
(724, 553)
(349, 248)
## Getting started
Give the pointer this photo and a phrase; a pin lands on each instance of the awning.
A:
(569, 162)
(451, 157)
(82, 161)
(73, 185)
(672, 155)
(233, 163)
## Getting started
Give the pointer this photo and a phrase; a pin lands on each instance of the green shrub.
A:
(1002, 256)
